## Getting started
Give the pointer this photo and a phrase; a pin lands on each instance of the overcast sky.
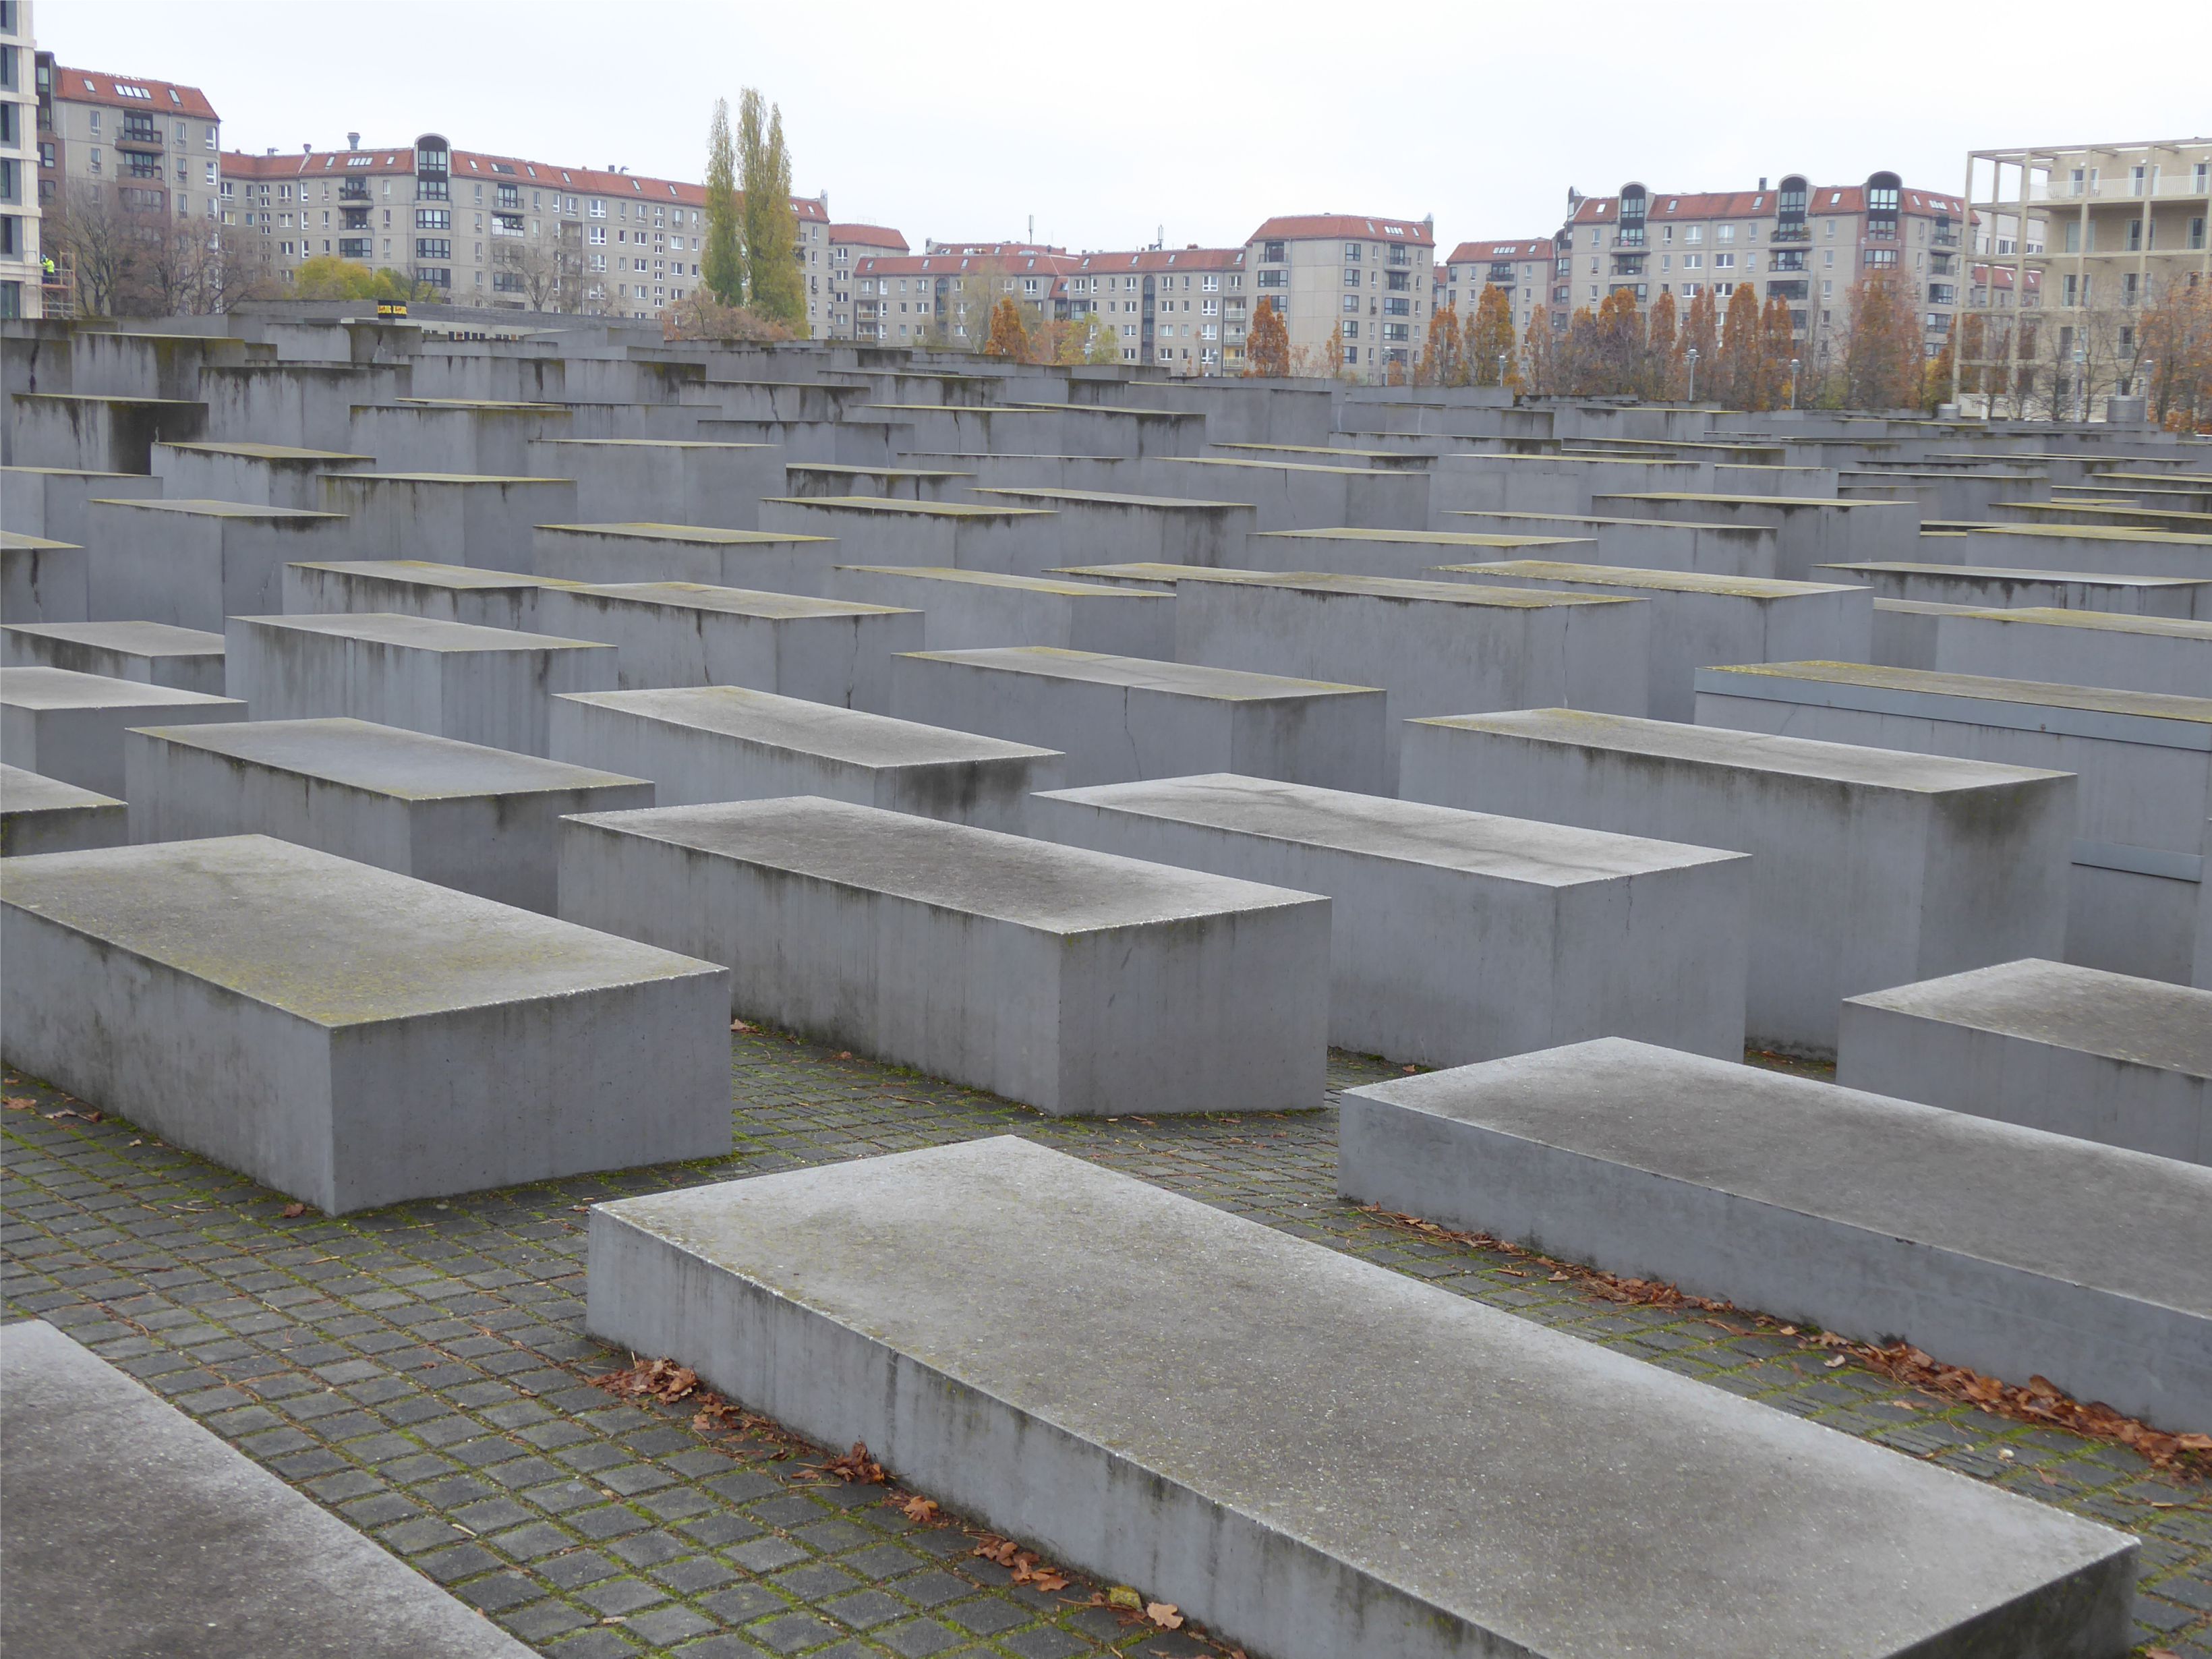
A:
(1112, 126)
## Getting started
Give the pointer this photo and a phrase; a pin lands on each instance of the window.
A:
(1351, 305)
(1397, 331)
(1693, 234)
(1724, 262)
(1694, 262)
(1881, 259)
(433, 219)
(1271, 251)
(1352, 277)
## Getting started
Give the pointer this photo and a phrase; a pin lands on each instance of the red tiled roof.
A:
(1528, 247)
(952, 265)
(868, 236)
(75, 86)
(1347, 226)
(1752, 203)
(1174, 259)
(482, 167)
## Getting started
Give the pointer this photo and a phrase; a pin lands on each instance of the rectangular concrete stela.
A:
(131, 1529)
(462, 815)
(1870, 867)
(2104, 1056)
(1071, 980)
(64, 724)
(412, 587)
(352, 1037)
(44, 815)
(716, 742)
(782, 563)
(2005, 1250)
(1118, 718)
(965, 610)
(1317, 1456)
(1454, 935)
(184, 659)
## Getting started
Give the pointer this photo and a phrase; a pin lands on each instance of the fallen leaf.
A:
(844, 1054)
(1121, 1596)
(1048, 1580)
(1561, 1279)
(1836, 1361)
(922, 1510)
(20, 1103)
(1513, 1273)
(1164, 1614)
(856, 1466)
(740, 1025)
(293, 1212)
(2160, 1652)
(1410, 1069)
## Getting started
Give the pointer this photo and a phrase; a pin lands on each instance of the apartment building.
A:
(1181, 309)
(1372, 278)
(495, 230)
(2092, 234)
(1522, 268)
(847, 244)
(155, 145)
(21, 274)
(943, 297)
(1808, 243)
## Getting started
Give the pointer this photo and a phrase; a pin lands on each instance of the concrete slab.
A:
(1015, 541)
(1406, 555)
(718, 743)
(488, 685)
(448, 518)
(2016, 1253)
(670, 633)
(1645, 544)
(1133, 527)
(1994, 586)
(1118, 718)
(41, 581)
(192, 563)
(1697, 619)
(965, 609)
(352, 1037)
(39, 814)
(623, 480)
(2079, 647)
(131, 1529)
(1458, 936)
(412, 587)
(70, 725)
(1871, 868)
(268, 475)
(1070, 980)
(781, 563)
(2107, 1057)
(154, 653)
(1904, 632)
(1810, 530)
(459, 814)
(48, 503)
(1315, 1456)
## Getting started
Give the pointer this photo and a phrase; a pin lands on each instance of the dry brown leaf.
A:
(920, 1511)
(20, 1103)
(1048, 1580)
(293, 1212)
(1164, 1614)
(1836, 1361)
(856, 1467)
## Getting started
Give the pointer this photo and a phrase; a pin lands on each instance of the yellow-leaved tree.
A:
(1267, 352)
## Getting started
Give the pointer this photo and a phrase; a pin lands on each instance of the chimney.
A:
(272, 150)
(1762, 181)
(353, 141)
(307, 150)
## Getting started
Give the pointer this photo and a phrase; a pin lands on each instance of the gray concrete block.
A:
(154, 653)
(1810, 530)
(70, 725)
(1118, 718)
(1302, 495)
(962, 610)
(412, 587)
(671, 633)
(487, 436)
(781, 563)
(1015, 541)
(1317, 1456)
(1995, 587)
(2079, 647)
(1458, 936)
(718, 743)
(1870, 868)
(192, 563)
(352, 1037)
(48, 502)
(2076, 1051)
(267, 475)
(40, 814)
(2014, 1252)
(1070, 980)
(1645, 544)
(459, 814)
(448, 518)
(97, 433)
(131, 1529)
(1904, 633)
(1115, 524)
(488, 685)
(1406, 555)
(626, 480)
(41, 581)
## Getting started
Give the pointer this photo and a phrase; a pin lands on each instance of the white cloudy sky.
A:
(1112, 122)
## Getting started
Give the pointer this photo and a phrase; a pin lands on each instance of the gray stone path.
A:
(421, 1371)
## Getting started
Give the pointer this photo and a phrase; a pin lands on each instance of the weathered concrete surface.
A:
(48, 502)
(268, 475)
(1406, 555)
(1071, 980)
(155, 654)
(781, 563)
(2014, 1252)
(1118, 718)
(2079, 647)
(131, 1529)
(1870, 868)
(70, 725)
(448, 518)
(1996, 587)
(412, 587)
(1313, 1455)
(41, 581)
(192, 563)
(1458, 936)
(1015, 541)
(352, 1037)
(717, 742)
(39, 814)
(964, 609)
(481, 820)
(2106, 1057)
(623, 480)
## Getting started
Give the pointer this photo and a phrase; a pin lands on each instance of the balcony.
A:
(351, 190)
(1798, 231)
(1945, 237)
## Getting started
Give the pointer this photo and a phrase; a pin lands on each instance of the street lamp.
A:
(1692, 359)
(1501, 370)
(1793, 382)
(2149, 380)
(2082, 381)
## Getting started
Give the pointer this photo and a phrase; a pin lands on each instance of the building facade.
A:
(1339, 278)
(1182, 309)
(154, 147)
(495, 230)
(2092, 234)
(847, 244)
(1522, 268)
(22, 271)
(1808, 243)
(942, 298)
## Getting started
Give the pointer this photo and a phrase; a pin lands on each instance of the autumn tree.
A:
(773, 279)
(2177, 340)
(1662, 379)
(1268, 353)
(723, 269)
(1699, 335)
(1616, 344)
(1443, 361)
(1777, 345)
(1736, 373)
(1539, 373)
(1008, 336)
(1331, 355)
(700, 316)
(1882, 353)
(1490, 337)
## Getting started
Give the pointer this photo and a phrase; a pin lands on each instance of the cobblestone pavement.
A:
(422, 1372)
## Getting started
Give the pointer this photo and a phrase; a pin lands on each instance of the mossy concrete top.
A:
(2100, 622)
(34, 792)
(447, 479)
(2150, 705)
(1659, 581)
(946, 573)
(1174, 679)
(1284, 466)
(428, 573)
(386, 760)
(134, 638)
(707, 535)
(199, 509)
(841, 469)
(1718, 499)
(41, 688)
(1421, 537)
(2145, 1022)
(1114, 498)
(14, 542)
(419, 633)
(329, 941)
(1996, 573)
(728, 601)
(907, 509)
(950, 866)
(1746, 751)
(284, 453)
(654, 443)
(796, 724)
(1400, 831)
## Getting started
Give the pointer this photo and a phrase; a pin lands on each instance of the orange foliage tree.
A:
(2177, 342)
(1008, 337)
(1539, 371)
(1699, 335)
(1443, 362)
(1778, 343)
(1663, 360)
(1490, 337)
(1882, 354)
(1267, 352)
(1736, 375)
